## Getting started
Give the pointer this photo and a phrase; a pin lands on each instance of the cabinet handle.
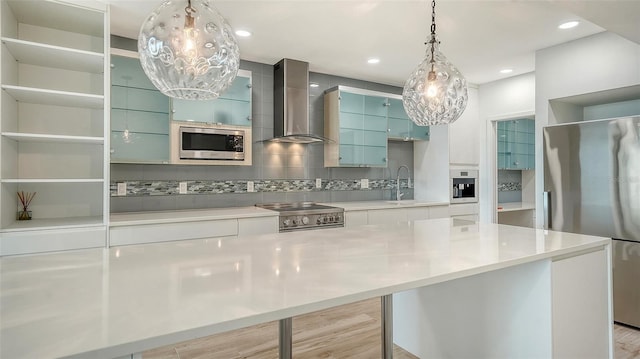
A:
(249, 86)
(384, 159)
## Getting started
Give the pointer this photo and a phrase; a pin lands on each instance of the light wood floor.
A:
(350, 331)
(627, 342)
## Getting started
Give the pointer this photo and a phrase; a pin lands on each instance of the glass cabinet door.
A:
(363, 130)
(233, 107)
(399, 122)
(139, 115)
(516, 144)
(419, 132)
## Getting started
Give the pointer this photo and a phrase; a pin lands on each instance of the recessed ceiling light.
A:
(313, 84)
(568, 25)
(243, 33)
(373, 60)
(506, 71)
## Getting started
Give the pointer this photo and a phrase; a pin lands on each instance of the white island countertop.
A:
(100, 303)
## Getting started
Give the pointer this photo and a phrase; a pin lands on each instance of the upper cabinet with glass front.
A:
(139, 115)
(400, 126)
(356, 122)
(360, 122)
(233, 107)
(516, 144)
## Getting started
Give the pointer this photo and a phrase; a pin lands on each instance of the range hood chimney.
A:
(291, 103)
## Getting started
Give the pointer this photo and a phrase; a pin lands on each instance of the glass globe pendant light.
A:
(436, 91)
(188, 51)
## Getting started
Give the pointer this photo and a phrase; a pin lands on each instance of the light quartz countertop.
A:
(367, 205)
(156, 217)
(515, 206)
(99, 303)
(153, 217)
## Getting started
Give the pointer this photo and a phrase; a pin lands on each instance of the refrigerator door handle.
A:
(546, 207)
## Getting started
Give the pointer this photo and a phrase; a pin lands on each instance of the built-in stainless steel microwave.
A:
(211, 143)
(464, 186)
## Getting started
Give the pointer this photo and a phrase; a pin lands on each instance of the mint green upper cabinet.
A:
(233, 107)
(357, 123)
(419, 133)
(139, 115)
(516, 144)
(127, 71)
(401, 127)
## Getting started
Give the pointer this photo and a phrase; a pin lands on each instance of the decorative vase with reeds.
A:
(25, 200)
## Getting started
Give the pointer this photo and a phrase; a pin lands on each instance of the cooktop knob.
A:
(286, 222)
(305, 220)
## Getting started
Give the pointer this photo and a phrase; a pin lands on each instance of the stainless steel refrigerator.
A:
(592, 186)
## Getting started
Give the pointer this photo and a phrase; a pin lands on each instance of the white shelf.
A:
(85, 18)
(54, 223)
(52, 180)
(36, 137)
(34, 53)
(515, 206)
(54, 97)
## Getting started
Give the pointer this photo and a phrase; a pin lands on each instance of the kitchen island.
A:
(507, 291)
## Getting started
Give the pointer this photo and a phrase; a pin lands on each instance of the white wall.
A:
(595, 63)
(513, 97)
(464, 144)
(431, 166)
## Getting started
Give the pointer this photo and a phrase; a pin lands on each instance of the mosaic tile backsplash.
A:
(168, 188)
(509, 186)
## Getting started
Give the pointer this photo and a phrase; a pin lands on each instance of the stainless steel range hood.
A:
(291, 103)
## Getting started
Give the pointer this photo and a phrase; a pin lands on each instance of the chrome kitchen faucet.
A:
(398, 193)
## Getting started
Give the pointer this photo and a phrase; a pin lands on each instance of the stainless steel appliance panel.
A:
(592, 186)
(463, 186)
(306, 215)
(626, 279)
(206, 143)
(592, 171)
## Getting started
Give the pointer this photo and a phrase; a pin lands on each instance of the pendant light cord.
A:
(432, 74)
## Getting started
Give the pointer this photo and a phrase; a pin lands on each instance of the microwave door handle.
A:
(546, 206)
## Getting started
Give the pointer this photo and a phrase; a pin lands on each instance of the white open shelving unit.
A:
(54, 125)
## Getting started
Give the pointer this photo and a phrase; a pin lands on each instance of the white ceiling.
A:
(337, 37)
